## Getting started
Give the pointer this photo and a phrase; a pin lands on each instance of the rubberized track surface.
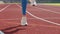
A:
(42, 19)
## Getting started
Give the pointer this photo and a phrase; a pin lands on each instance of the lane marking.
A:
(27, 18)
(18, 23)
(4, 8)
(50, 26)
(48, 10)
(40, 18)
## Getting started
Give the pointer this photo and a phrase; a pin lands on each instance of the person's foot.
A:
(34, 4)
(25, 25)
(24, 21)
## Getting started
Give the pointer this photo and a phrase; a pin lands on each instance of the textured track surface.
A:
(10, 19)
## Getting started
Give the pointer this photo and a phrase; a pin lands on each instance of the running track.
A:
(42, 19)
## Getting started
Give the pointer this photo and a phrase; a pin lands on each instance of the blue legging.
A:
(24, 5)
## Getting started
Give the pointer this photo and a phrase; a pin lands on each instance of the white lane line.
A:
(41, 18)
(4, 8)
(51, 17)
(27, 18)
(47, 10)
(50, 26)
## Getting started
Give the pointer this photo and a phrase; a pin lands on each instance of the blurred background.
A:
(38, 1)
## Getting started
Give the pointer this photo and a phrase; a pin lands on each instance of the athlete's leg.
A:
(24, 5)
(33, 2)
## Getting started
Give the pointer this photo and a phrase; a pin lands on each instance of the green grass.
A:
(54, 4)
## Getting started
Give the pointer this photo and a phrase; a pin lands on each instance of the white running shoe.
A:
(33, 3)
(1, 32)
(24, 21)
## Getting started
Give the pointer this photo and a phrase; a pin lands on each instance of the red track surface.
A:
(2, 6)
(10, 20)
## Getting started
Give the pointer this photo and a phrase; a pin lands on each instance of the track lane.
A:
(46, 15)
(41, 24)
(50, 7)
(2, 6)
(10, 17)
(35, 26)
